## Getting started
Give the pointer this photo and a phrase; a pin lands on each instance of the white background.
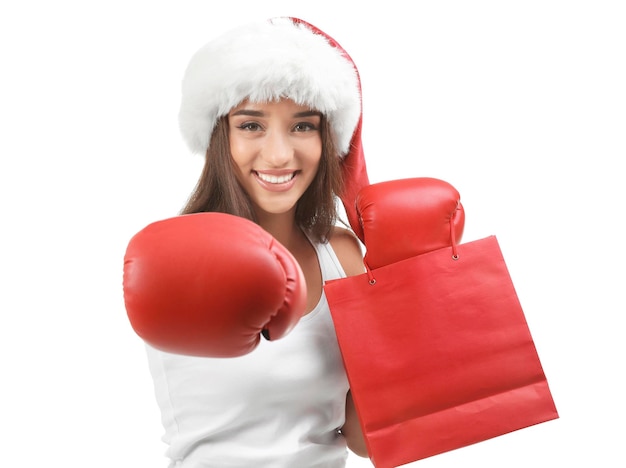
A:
(521, 105)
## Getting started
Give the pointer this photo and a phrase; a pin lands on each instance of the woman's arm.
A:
(351, 430)
(348, 250)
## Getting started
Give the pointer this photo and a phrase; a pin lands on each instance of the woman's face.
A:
(277, 148)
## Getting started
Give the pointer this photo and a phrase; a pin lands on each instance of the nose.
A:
(277, 149)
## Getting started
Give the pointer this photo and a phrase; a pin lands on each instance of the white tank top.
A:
(279, 406)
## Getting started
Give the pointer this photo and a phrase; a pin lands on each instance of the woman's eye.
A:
(304, 127)
(250, 126)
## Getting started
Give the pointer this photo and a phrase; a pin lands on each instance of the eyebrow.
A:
(254, 113)
(310, 113)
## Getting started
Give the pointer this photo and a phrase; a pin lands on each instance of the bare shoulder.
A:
(348, 250)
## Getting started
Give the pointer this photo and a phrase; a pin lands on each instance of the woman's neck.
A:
(283, 228)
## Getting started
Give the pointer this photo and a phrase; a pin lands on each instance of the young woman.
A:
(275, 108)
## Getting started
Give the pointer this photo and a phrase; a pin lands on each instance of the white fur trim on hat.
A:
(267, 61)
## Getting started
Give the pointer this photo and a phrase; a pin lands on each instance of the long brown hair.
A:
(219, 190)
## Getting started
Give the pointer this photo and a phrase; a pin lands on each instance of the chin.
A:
(276, 209)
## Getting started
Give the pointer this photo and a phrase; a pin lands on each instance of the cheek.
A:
(314, 153)
(239, 152)
(241, 163)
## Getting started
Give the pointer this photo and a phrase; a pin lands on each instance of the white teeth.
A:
(272, 179)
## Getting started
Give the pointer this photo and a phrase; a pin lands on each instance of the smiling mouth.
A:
(276, 179)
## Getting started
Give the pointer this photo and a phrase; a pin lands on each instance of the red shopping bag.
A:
(438, 353)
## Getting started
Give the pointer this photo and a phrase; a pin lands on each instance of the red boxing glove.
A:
(407, 217)
(209, 284)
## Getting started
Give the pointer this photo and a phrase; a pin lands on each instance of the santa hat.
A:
(273, 59)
